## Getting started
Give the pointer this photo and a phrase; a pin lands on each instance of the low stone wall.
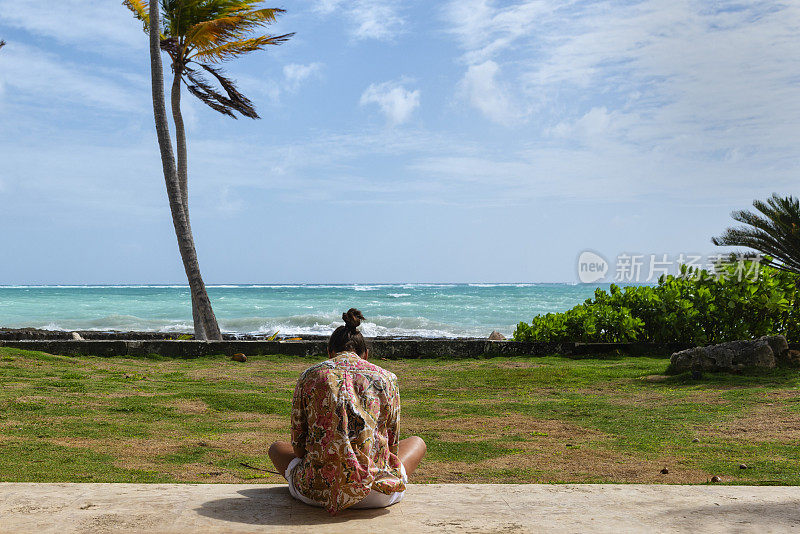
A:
(379, 348)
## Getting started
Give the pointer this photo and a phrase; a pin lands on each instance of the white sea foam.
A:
(404, 309)
(502, 285)
(273, 286)
(124, 323)
(415, 286)
(324, 324)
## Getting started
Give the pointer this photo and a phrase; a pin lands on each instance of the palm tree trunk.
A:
(179, 219)
(183, 181)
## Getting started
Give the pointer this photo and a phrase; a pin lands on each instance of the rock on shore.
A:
(767, 351)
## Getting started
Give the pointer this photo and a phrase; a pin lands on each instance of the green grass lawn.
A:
(547, 419)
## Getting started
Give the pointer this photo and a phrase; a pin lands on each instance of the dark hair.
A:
(346, 337)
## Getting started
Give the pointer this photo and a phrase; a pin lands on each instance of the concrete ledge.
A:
(480, 508)
(390, 349)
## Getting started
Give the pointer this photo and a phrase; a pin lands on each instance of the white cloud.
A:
(326, 7)
(595, 122)
(704, 80)
(370, 19)
(394, 100)
(88, 24)
(295, 73)
(485, 93)
(597, 126)
(696, 80)
(43, 79)
(484, 30)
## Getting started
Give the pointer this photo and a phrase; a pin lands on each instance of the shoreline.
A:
(40, 334)
(404, 311)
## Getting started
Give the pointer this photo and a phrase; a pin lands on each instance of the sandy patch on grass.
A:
(560, 465)
(98, 445)
(656, 398)
(482, 428)
(782, 395)
(761, 423)
(152, 455)
(517, 365)
(133, 393)
(188, 406)
(542, 451)
(258, 374)
(205, 473)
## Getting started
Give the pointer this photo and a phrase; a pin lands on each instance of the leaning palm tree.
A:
(775, 233)
(198, 35)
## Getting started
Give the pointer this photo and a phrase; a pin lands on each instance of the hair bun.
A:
(352, 318)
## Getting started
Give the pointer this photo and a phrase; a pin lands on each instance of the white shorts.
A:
(375, 499)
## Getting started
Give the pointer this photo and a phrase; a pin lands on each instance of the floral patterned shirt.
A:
(345, 414)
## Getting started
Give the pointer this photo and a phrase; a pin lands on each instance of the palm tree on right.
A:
(774, 231)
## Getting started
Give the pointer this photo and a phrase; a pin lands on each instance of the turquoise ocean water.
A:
(430, 310)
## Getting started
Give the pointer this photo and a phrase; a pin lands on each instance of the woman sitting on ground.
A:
(345, 450)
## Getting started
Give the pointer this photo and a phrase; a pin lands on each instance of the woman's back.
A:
(345, 414)
(345, 449)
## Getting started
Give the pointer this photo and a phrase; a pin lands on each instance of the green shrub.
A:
(695, 307)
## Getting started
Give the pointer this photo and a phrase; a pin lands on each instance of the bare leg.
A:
(281, 454)
(411, 452)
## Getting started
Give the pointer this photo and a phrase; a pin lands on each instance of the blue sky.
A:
(468, 140)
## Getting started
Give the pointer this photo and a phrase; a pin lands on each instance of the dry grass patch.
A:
(541, 451)
(164, 455)
(517, 365)
(549, 465)
(131, 393)
(782, 395)
(188, 406)
(537, 430)
(761, 423)
(657, 398)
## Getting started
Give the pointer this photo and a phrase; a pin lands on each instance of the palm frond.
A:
(227, 105)
(139, 9)
(2, 43)
(210, 99)
(237, 100)
(207, 34)
(234, 49)
(203, 90)
(181, 15)
(774, 231)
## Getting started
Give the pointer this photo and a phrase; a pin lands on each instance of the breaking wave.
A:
(310, 324)
(398, 310)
